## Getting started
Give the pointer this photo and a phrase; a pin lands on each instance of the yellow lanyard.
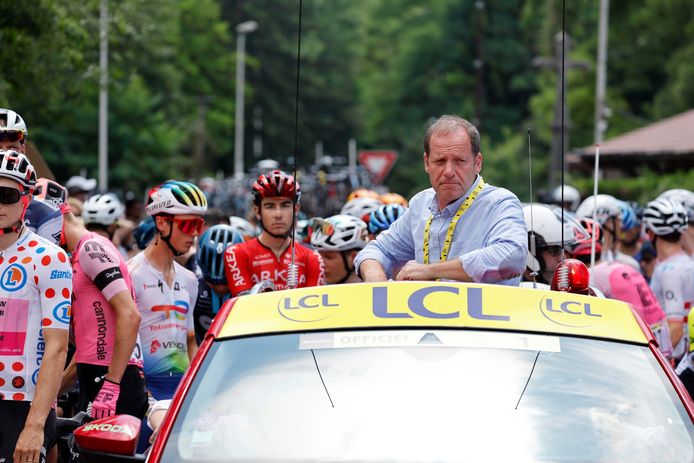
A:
(451, 228)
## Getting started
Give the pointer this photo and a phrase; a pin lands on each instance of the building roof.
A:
(671, 136)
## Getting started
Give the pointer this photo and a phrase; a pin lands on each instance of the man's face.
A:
(10, 213)
(552, 256)
(12, 140)
(335, 270)
(451, 165)
(182, 228)
(276, 215)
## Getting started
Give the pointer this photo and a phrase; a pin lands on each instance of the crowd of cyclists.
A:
(103, 302)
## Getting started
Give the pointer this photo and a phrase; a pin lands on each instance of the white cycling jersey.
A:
(673, 285)
(167, 315)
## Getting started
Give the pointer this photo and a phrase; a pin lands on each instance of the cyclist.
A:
(35, 293)
(382, 218)
(572, 197)
(166, 291)
(673, 277)
(100, 214)
(361, 207)
(276, 198)
(686, 198)
(394, 198)
(338, 239)
(212, 284)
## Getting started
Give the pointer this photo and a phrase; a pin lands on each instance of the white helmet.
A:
(359, 207)
(103, 209)
(546, 225)
(340, 233)
(607, 207)
(14, 121)
(244, 227)
(664, 217)
(571, 195)
(176, 197)
(17, 167)
(685, 197)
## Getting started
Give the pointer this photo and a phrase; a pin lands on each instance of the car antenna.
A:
(293, 271)
(563, 270)
(533, 246)
(595, 205)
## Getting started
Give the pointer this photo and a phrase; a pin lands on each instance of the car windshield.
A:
(430, 395)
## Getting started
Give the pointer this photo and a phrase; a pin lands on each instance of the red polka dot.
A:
(21, 248)
(46, 322)
(50, 292)
(2, 382)
(18, 396)
(66, 293)
(61, 257)
(17, 366)
(33, 243)
(2, 259)
(2, 366)
(46, 260)
(36, 279)
(26, 260)
(12, 259)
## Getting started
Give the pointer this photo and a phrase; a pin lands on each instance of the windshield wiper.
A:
(321, 379)
(528, 381)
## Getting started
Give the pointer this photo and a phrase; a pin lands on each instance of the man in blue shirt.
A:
(461, 228)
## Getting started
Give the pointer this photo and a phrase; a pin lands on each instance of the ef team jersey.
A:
(167, 315)
(35, 294)
(247, 263)
(99, 273)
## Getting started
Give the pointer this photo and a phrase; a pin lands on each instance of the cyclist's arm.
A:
(69, 376)
(236, 269)
(673, 304)
(190, 322)
(315, 273)
(192, 345)
(127, 325)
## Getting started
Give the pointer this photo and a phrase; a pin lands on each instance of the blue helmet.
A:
(210, 253)
(144, 232)
(382, 218)
(629, 218)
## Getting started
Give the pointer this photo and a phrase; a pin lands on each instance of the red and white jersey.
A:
(247, 263)
(35, 294)
(99, 273)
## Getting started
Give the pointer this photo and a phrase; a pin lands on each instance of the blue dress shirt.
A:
(490, 239)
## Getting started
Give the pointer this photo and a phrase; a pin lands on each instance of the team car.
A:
(427, 371)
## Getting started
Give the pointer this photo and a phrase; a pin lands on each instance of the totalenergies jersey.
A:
(99, 273)
(673, 285)
(247, 263)
(167, 315)
(35, 294)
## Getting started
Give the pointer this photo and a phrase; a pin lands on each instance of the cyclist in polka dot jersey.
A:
(35, 298)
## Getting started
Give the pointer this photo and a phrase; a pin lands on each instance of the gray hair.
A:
(449, 123)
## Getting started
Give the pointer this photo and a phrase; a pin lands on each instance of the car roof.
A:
(431, 305)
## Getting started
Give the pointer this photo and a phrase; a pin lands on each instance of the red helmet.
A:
(276, 184)
(584, 242)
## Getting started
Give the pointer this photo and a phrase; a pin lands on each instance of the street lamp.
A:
(241, 31)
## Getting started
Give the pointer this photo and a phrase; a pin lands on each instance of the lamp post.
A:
(241, 31)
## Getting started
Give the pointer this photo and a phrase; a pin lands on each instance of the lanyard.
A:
(451, 228)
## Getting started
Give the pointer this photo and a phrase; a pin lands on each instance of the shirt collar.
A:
(453, 207)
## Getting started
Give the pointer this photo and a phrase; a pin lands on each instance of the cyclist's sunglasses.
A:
(12, 136)
(9, 195)
(189, 226)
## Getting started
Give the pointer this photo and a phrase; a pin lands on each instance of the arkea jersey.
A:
(247, 263)
(45, 219)
(35, 294)
(167, 315)
(99, 273)
(673, 285)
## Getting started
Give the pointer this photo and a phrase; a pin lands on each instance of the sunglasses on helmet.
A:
(189, 226)
(9, 195)
(12, 136)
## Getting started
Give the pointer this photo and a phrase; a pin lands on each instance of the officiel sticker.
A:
(14, 320)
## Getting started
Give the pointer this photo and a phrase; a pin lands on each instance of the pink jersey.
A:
(35, 291)
(99, 273)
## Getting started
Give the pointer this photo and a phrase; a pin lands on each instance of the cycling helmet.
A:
(13, 121)
(103, 209)
(393, 198)
(210, 252)
(360, 207)
(584, 241)
(382, 218)
(16, 166)
(144, 232)
(629, 218)
(685, 197)
(340, 233)
(176, 197)
(545, 223)
(362, 193)
(664, 217)
(244, 227)
(571, 196)
(276, 184)
(607, 207)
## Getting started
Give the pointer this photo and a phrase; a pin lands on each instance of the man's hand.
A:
(105, 402)
(371, 271)
(414, 271)
(29, 444)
